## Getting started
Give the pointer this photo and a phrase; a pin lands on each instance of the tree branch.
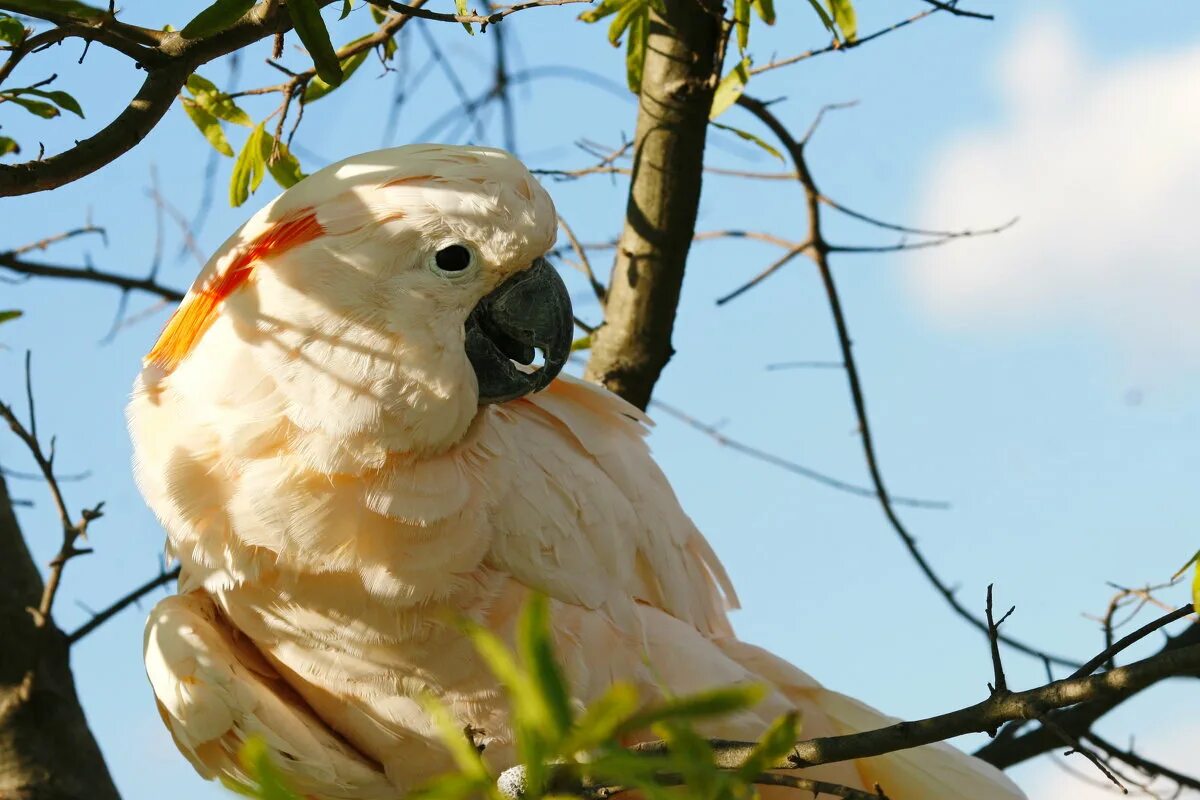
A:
(168, 59)
(682, 66)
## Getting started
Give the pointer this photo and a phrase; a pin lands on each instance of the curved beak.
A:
(530, 311)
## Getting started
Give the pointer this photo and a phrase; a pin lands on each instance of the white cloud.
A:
(1102, 165)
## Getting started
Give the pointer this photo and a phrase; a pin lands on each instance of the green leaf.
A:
(346, 4)
(741, 21)
(777, 742)
(285, 168)
(749, 137)
(256, 760)
(208, 125)
(465, 755)
(306, 17)
(216, 18)
(56, 9)
(635, 54)
(582, 343)
(43, 110)
(197, 84)
(621, 22)
(604, 9)
(8, 145)
(318, 88)
(730, 88)
(216, 102)
(824, 15)
(1196, 589)
(600, 721)
(460, 8)
(765, 10)
(248, 169)
(1195, 579)
(8, 316)
(712, 703)
(62, 99)
(537, 651)
(378, 15)
(11, 30)
(845, 18)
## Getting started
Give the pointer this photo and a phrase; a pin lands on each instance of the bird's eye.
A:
(454, 258)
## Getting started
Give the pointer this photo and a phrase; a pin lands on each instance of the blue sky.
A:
(1043, 381)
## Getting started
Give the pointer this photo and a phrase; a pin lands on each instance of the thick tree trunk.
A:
(46, 749)
(682, 65)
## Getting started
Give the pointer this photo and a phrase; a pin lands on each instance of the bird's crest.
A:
(199, 309)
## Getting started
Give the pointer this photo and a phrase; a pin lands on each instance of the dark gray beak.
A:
(531, 310)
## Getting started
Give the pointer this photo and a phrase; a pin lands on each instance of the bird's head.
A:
(393, 287)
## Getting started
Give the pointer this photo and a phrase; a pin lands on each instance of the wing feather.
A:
(588, 517)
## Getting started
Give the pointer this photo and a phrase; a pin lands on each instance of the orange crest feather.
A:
(199, 309)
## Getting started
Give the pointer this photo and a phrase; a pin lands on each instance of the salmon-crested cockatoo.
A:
(341, 434)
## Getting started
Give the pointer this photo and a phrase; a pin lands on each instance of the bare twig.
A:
(72, 530)
(124, 282)
(776, 265)
(584, 263)
(1007, 750)
(790, 466)
(104, 615)
(820, 249)
(1141, 633)
(1141, 763)
(1000, 686)
(952, 7)
(482, 19)
(1078, 747)
(44, 243)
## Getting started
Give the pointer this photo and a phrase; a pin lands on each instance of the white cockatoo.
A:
(334, 432)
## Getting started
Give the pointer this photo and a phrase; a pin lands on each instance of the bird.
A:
(356, 432)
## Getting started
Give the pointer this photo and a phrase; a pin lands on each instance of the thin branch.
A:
(125, 282)
(1000, 685)
(891, 226)
(100, 617)
(42, 244)
(838, 45)
(585, 264)
(952, 7)
(513, 783)
(1005, 751)
(1078, 747)
(820, 252)
(482, 19)
(1141, 633)
(801, 249)
(72, 530)
(1108, 687)
(1142, 764)
(769, 458)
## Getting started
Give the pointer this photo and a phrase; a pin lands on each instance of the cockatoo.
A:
(339, 435)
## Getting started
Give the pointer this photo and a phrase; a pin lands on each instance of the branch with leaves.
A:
(170, 58)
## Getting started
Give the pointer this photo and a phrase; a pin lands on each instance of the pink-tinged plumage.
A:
(337, 498)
